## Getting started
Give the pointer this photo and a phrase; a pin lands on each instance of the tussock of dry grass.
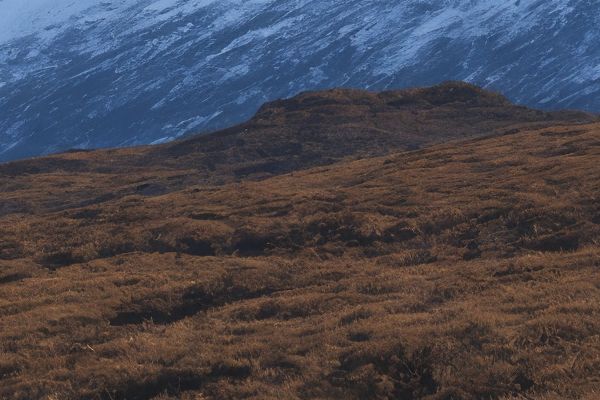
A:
(463, 271)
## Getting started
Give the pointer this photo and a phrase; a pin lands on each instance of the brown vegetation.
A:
(464, 270)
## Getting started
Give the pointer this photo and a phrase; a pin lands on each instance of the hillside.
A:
(311, 129)
(114, 73)
(464, 269)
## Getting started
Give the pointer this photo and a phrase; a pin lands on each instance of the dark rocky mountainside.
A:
(111, 73)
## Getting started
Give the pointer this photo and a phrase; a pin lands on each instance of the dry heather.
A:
(466, 270)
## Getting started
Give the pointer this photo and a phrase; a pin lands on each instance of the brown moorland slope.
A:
(465, 270)
(312, 129)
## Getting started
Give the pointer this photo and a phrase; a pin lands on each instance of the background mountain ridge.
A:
(121, 73)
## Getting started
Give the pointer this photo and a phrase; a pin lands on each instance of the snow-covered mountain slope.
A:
(94, 73)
